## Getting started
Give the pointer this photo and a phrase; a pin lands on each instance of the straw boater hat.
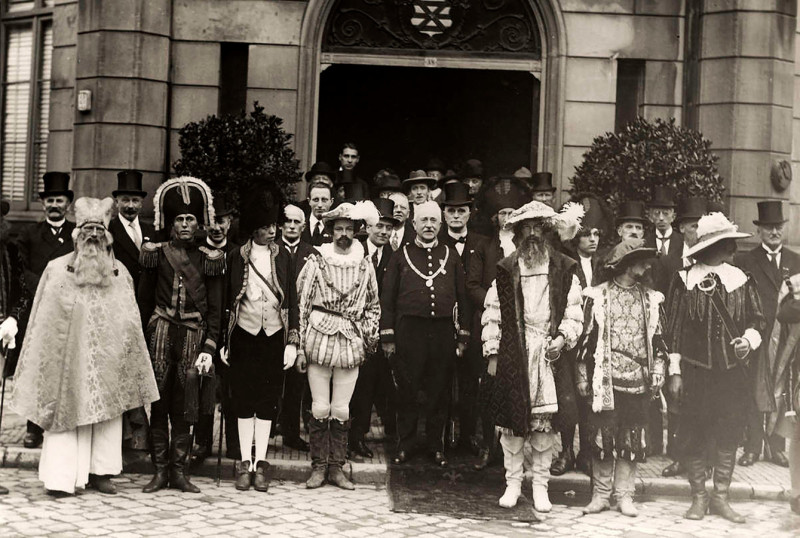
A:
(712, 229)
(365, 211)
(567, 222)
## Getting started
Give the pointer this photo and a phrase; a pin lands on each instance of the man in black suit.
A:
(456, 204)
(375, 385)
(127, 230)
(403, 232)
(320, 199)
(769, 263)
(296, 393)
(319, 172)
(499, 199)
(45, 241)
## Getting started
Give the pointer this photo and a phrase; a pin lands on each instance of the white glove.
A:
(8, 333)
(203, 362)
(289, 356)
(223, 356)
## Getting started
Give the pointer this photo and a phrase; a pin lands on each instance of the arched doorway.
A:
(484, 45)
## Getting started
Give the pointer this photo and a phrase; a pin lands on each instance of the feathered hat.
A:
(365, 211)
(566, 222)
(93, 211)
(260, 207)
(182, 195)
(712, 229)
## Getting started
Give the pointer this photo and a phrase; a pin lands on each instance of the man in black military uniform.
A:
(180, 298)
(374, 385)
(45, 241)
(424, 310)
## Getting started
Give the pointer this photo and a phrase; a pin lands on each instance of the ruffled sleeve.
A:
(571, 325)
(490, 320)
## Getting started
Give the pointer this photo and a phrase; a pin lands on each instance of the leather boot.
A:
(320, 446)
(260, 482)
(696, 472)
(177, 476)
(723, 473)
(103, 484)
(160, 457)
(565, 461)
(337, 455)
(243, 478)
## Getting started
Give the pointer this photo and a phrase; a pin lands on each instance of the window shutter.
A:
(16, 106)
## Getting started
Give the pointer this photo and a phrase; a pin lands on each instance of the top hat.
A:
(354, 192)
(471, 168)
(129, 182)
(663, 196)
(56, 184)
(541, 182)
(385, 207)
(321, 168)
(449, 178)
(456, 194)
(387, 180)
(770, 212)
(632, 210)
(691, 208)
(345, 176)
(221, 205)
(436, 164)
(418, 176)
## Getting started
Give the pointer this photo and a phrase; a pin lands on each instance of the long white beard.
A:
(534, 252)
(94, 264)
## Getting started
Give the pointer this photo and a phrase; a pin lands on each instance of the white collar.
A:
(371, 247)
(666, 236)
(215, 245)
(458, 236)
(356, 253)
(56, 223)
(126, 222)
(770, 251)
(256, 248)
(312, 220)
(288, 244)
(731, 277)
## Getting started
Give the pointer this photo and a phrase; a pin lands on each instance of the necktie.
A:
(773, 258)
(318, 232)
(462, 239)
(394, 242)
(375, 260)
(137, 239)
(55, 230)
(663, 250)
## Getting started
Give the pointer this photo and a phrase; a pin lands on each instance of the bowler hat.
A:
(456, 194)
(56, 184)
(631, 211)
(320, 168)
(691, 208)
(471, 168)
(387, 180)
(418, 176)
(541, 182)
(354, 192)
(385, 207)
(663, 196)
(129, 182)
(770, 212)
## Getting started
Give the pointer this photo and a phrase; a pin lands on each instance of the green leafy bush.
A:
(626, 166)
(232, 153)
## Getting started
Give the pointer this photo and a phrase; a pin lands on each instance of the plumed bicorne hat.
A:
(180, 196)
(261, 206)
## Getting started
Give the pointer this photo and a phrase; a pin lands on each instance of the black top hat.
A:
(449, 178)
(770, 212)
(436, 164)
(541, 182)
(505, 193)
(663, 196)
(385, 208)
(321, 168)
(456, 194)
(129, 182)
(56, 184)
(418, 176)
(354, 192)
(345, 176)
(387, 180)
(260, 207)
(221, 205)
(632, 210)
(471, 168)
(691, 208)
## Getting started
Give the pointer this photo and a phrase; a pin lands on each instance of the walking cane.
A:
(187, 468)
(219, 447)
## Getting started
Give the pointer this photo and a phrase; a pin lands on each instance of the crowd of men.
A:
(466, 302)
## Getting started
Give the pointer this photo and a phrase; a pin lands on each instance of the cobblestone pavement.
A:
(293, 511)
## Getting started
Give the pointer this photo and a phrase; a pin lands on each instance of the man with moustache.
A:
(84, 361)
(661, 212)
(296, 392)
(631, 220)
(45, 241)
(535, 291)
(320, 198)
(375, 385)
(403, 232)
(769, 264)
(424, 326)
(339, 321)
(499, 200)
(180, 299)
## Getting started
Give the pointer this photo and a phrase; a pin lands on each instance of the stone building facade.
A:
(729, 68)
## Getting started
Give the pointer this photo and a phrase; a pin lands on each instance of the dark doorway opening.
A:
(400, 117)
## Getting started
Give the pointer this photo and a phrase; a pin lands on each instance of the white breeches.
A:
(323, 403)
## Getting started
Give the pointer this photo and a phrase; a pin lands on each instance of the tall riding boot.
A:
(180, 450)
(696, 471)
(723, 473)
(160, 458)
(319, 448)
(338, 454)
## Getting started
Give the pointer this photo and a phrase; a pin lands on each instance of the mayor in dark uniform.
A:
(425, 310)
(45, 241)
(128, 231)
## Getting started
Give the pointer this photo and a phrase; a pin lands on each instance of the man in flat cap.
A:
(43, 242)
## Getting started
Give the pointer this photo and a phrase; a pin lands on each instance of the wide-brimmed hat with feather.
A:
(566, 222)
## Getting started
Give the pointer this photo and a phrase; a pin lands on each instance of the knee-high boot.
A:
(180, 450)
(338, 454)
(696, 470)
(723, 474)
(319, 446)
(160, 457)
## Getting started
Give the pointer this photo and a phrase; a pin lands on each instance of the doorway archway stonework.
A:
(440, 42)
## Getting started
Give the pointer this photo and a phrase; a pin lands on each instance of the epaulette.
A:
(213, 261)
(148, 257)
